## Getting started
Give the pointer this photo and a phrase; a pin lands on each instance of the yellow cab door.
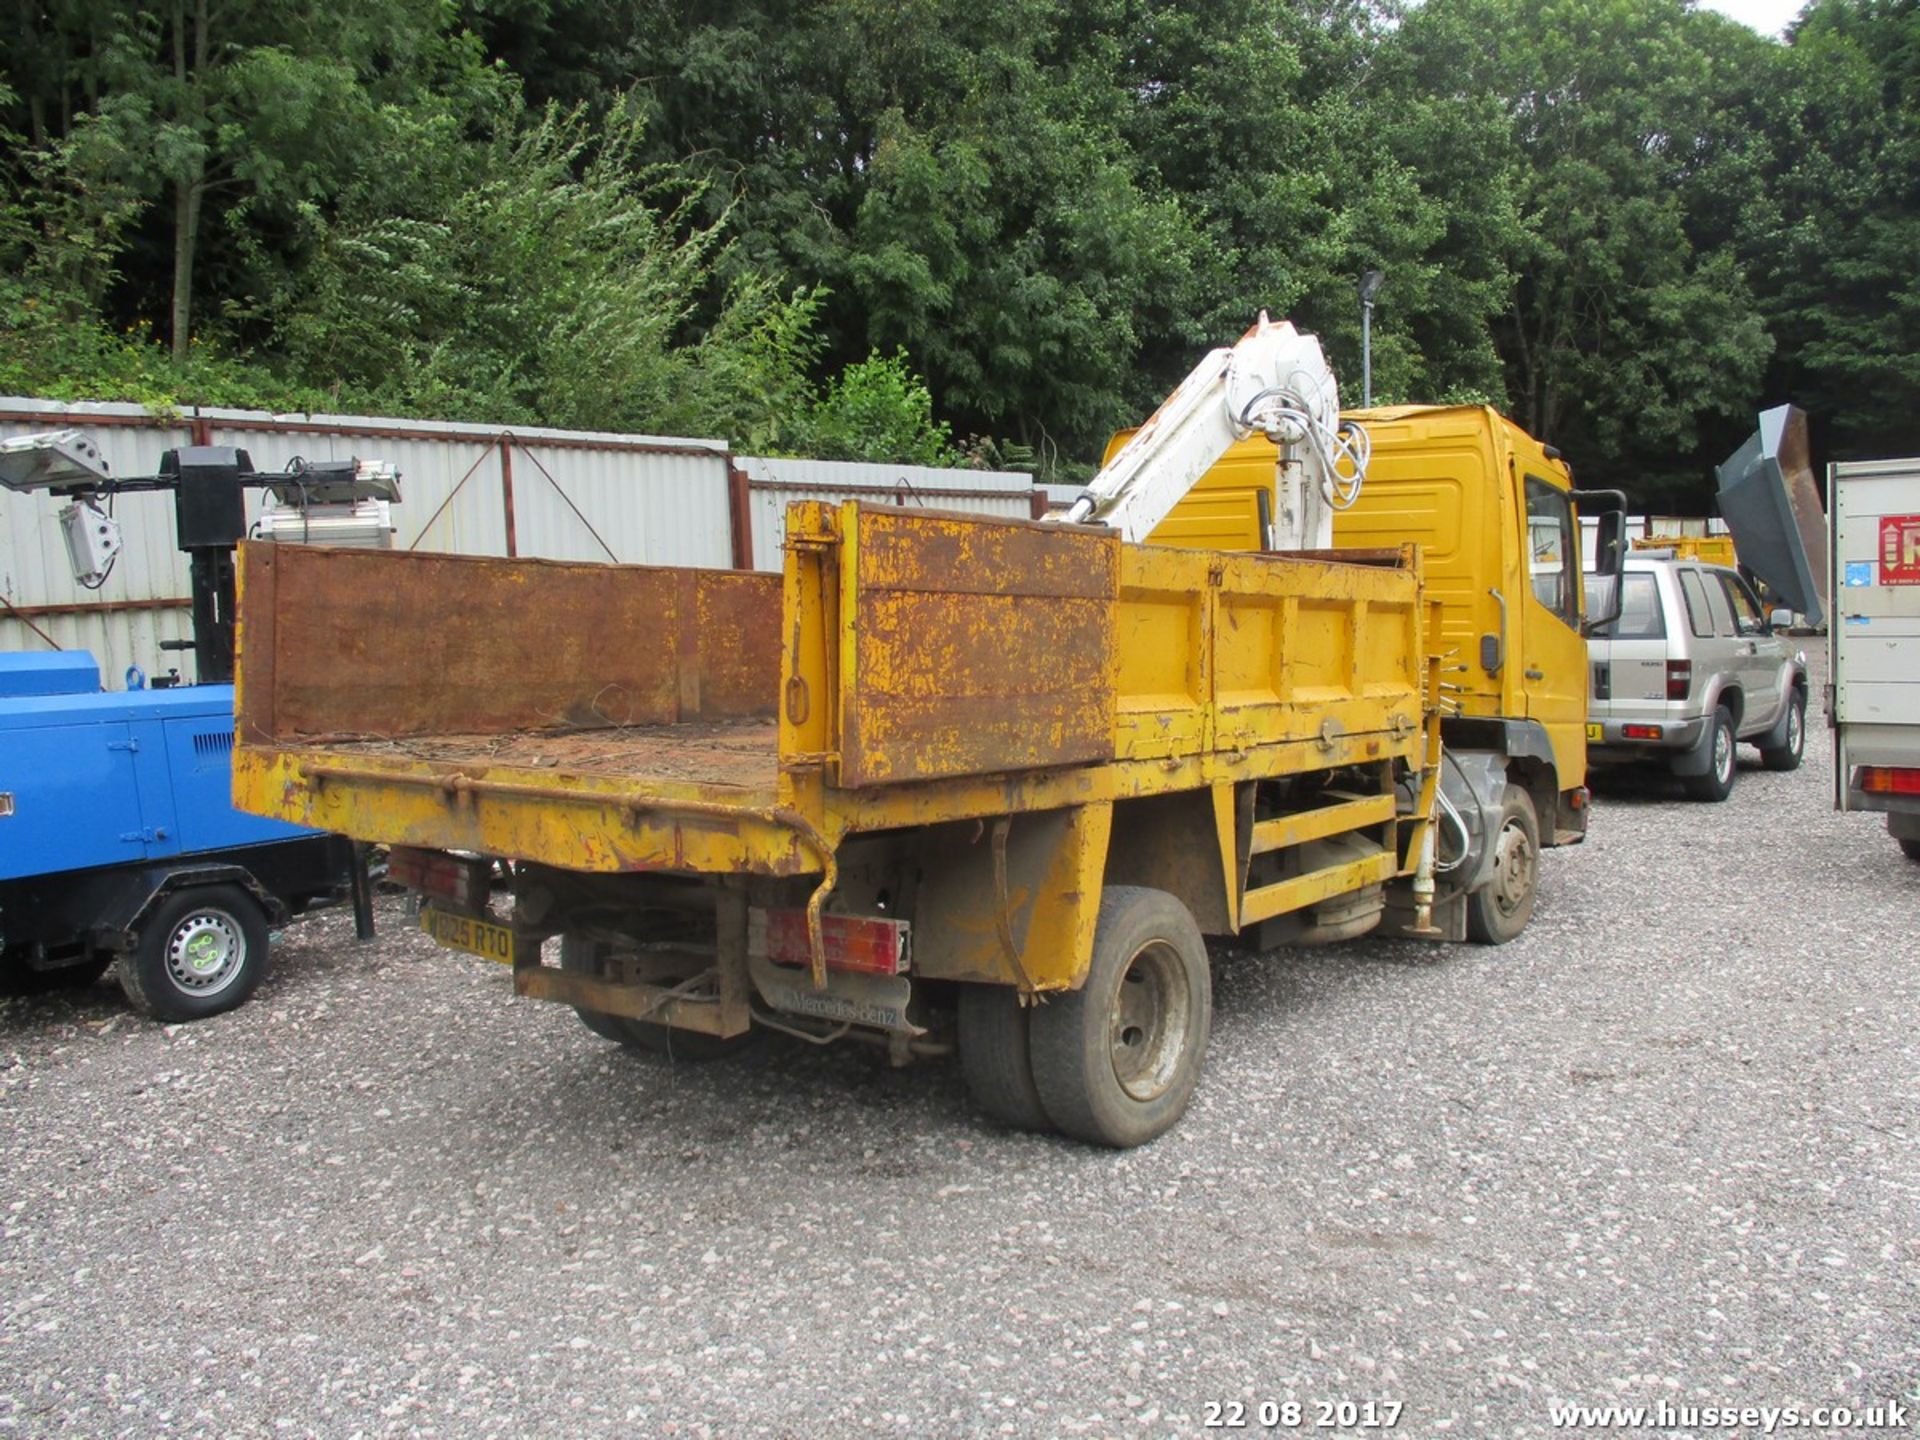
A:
(1550, 651)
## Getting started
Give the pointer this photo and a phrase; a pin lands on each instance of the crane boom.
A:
(1274, 381)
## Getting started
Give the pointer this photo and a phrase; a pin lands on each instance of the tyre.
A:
(1717, 783)
(580, 954)
(1115, 1062)
(1911, 849)
(994, 1058)
(1786, 756)
(1500, 909)
(201, 952)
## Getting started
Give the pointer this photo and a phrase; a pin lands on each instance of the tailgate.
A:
(598, 717)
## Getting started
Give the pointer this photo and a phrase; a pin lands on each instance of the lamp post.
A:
(1369, 287)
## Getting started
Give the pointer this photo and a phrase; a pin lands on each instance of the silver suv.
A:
(1691, 666)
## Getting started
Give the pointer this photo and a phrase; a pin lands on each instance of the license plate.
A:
(1596, 732)
(476, 937)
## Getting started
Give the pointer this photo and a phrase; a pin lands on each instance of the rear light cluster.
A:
(1679, 679)
(868, 944)
(1640, 732)
(466, 880)
(1887, 780)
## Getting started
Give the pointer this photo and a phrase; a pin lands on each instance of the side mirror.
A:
(1609, 509)
(1780, 619)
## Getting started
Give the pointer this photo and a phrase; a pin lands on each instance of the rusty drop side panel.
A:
(373, 645)
(974, 649)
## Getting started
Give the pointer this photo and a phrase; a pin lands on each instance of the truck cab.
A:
(1494, 513)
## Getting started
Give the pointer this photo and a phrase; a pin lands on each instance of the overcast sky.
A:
(1769, 17)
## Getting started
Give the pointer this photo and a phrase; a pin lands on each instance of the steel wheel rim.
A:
(205, 952)
(1512, 868)
(1151, 1009)
(1722, 752)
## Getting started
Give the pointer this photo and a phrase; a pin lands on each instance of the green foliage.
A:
(879, 410)
(1630, 222)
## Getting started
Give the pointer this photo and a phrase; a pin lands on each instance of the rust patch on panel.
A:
(382, 645)
(977, 647)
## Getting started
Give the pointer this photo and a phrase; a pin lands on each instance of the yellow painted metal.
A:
(1285, 896)
(932, 669)
(1707, 549)
(1317, 824)
(1451, 480)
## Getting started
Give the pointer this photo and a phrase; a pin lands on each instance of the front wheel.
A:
(1786, 755)
(1500, 909)
(1116, 1061)
(201, 952)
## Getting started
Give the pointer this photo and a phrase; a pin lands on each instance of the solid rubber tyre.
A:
(202, 951)
(1787, 755)
(578, 953)
(1717, 784)
(1116, 1061)
(994, 1056)
(1499, 910)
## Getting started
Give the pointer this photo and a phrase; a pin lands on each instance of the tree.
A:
(1628, 319)
(1835, 264)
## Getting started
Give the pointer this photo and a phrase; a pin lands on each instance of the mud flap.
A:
(1697, 758)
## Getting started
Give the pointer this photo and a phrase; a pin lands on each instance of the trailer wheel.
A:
(1115, 1062)
(579, 953)
(994, 1031)
(201, 952)
(1500, 909)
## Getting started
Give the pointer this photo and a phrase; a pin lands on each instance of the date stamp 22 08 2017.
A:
(1300, 1414)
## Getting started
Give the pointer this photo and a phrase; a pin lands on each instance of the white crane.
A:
(1275, 382)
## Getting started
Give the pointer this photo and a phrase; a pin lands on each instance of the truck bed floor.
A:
(742, 754)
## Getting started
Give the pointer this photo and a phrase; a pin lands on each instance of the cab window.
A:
(1553, 557)
(1699, 618)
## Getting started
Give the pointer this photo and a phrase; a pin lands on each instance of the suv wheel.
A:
(1717, 783)
(1786, 755)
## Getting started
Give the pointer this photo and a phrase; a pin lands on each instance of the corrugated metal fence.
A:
(467, 489)
(774, 484)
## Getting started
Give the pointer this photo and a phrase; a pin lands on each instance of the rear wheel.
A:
(1500, 909)
(1911, 849)
(994, 1056)
(1717, 783)
(585, 956)
(1786, 755)
(1116, 1061)
(201, 952)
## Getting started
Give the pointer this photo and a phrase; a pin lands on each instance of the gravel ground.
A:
(1663, 1146)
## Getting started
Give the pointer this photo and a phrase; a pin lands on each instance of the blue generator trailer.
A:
(119, 843)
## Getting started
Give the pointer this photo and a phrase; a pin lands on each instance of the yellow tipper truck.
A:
(945, 780)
